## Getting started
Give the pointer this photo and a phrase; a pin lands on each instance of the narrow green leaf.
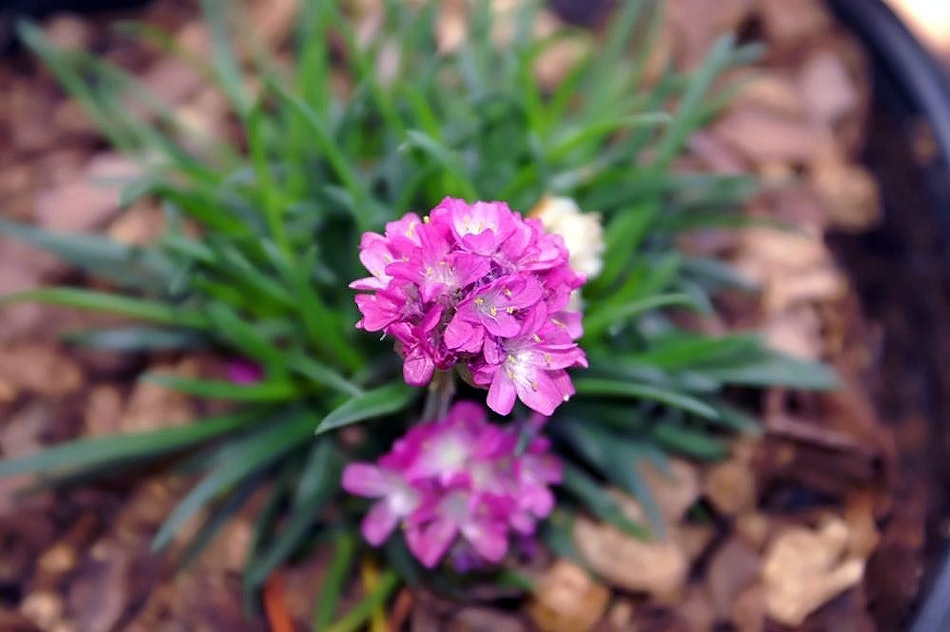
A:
(265, 523)
(686, 117)
(776, 369)
(378, 402)
(334, 583)
(220, 389)
(125, 265)
(136, 339)
(718, 272)
(221, 514)
(618, 458)
(737, 420)
(599, 502)
(557, 534)
(603, 387)
(597, 321)
(242, 336)
(223, 56)
(321, 374)
(140, 446)
(323, 325)
(687, 350)
(106, 302)
(253, 452)
(444, 157)
(695, 443)
(595, 132)
(357, 617)
(318, 483)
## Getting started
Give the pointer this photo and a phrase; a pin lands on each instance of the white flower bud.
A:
(582, 232)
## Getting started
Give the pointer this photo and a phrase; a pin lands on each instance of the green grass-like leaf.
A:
(100, 451)
(244, 457)
(371, 404)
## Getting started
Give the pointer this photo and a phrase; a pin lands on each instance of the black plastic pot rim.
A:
(926, 87)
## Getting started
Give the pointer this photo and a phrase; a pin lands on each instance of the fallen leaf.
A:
(729, 486)
(103, 412)
(733, 567)
(696, 610)
(803, 569)
(485, 620)
(675, 492)
(748, 612)
(97, 595)
(850, 194)
(826, 88)
(89, 198)
(39, 369)
(43, 608)
(789, 26)
(152, 406)
(656, 568)
(753, 527)
(567, 599)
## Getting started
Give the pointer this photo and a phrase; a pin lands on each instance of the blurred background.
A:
(930, 21)
(49, 152)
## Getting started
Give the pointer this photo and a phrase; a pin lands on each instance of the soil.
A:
(864, 460)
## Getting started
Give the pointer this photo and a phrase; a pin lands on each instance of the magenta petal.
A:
(538, 500)
(363, 479)
(244, 372)
(541, 394)
(501, 393)
(493, 352)
(430, 544)
(461, 336)
(488, 538)
(501, 324)
(418, 368)
(379, 523)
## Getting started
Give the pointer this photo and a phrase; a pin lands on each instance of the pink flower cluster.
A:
(457, 484)
(476, 285)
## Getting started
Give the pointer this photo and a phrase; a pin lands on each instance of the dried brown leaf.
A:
(803, 569)
(567, 599)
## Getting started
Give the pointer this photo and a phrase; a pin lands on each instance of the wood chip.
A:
(656, 568)
(153, 406)
(733, 567)
(567, 599)
(89, 198)
(39, 369)
(803, 569)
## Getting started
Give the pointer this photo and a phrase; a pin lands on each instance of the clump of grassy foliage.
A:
(278, 213)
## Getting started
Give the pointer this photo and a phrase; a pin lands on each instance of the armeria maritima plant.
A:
(338, 158)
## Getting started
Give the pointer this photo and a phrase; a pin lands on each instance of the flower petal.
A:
(379, 522)
(363, 479)
(489, 538)
(501, 393)
(429, 544)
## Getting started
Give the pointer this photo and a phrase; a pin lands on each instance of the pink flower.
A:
(478, 518)
(494, 306)
(243, 372)
(398, 499)
(530, 366)
(472, 284)
(457, 485)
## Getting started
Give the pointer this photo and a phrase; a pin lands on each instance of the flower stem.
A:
(441, 391)
(363, 611)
